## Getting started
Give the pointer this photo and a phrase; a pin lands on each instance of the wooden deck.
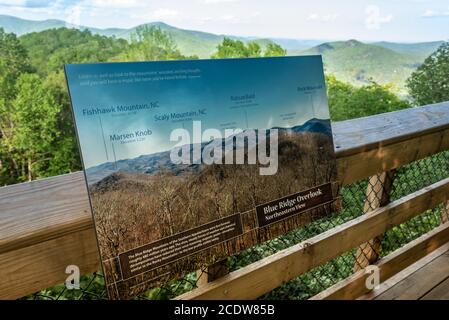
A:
(427, 279)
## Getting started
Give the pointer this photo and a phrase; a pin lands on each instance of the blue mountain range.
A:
(153, 163)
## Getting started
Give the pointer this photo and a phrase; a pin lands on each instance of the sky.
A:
(390, 20)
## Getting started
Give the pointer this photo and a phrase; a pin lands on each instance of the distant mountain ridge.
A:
(420, 50)
(202, 43)
(351, 61)
(190, 42)
(152, 163)
(360, 63)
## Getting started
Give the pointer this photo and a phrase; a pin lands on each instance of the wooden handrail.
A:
(46, 225)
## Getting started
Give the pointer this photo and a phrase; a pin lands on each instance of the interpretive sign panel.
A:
(188, 162)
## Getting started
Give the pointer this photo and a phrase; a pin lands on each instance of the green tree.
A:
(49, 50)
(349, 102)
(66, 157)
(430, 82)
(150, 43)
(253, 49)
(36, 129)
(274, 50)
(29, 139)
(13, 62)
(229, 48)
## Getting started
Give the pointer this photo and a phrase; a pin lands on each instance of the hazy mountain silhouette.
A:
(153, 163)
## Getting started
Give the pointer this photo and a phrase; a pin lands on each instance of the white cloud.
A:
(73, 15)
(229, 17)
(217, 1)
(433, 13)
(114, 3)
(374, 19)
(323, 18)
(164, 13)
(243, 19)
(161, 14)
(15, 3)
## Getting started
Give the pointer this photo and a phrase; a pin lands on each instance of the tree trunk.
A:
(30, 176)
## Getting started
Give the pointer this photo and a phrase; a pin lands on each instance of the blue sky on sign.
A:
(395, 20)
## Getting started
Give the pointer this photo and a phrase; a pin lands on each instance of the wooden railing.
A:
(46, 225)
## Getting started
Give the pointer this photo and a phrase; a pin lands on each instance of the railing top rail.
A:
(357, 135)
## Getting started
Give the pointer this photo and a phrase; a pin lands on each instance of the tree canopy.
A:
(230, 48)
(347, 101)
(36, 129)
(150, 43)
(49, 50)
(430, 82)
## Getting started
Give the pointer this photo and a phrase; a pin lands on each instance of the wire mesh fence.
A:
(357, 199)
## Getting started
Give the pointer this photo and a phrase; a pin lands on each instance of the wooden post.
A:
(445, 213)
(377, 195)
(212, 272)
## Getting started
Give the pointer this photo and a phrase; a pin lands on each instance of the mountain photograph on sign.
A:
(153, 163)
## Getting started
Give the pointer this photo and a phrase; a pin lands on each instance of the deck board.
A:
(430, 281)
(440, 292)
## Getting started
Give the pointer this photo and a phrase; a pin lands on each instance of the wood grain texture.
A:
(263, 276)
(404, 273)
(440, 292)
(41, 210)
(395, 265)
(362, 134)
(35, 213)
(420, 282)
(30, 269)
(212, 272)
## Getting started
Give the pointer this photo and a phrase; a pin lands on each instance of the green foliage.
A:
(51, 49)
(430, 82)
(275, 50)
(29, 129)
(230, 48)
(13, 61)
(36, 131)
(150, 43)
(66, 156)
(236, 49)
(347, 101)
